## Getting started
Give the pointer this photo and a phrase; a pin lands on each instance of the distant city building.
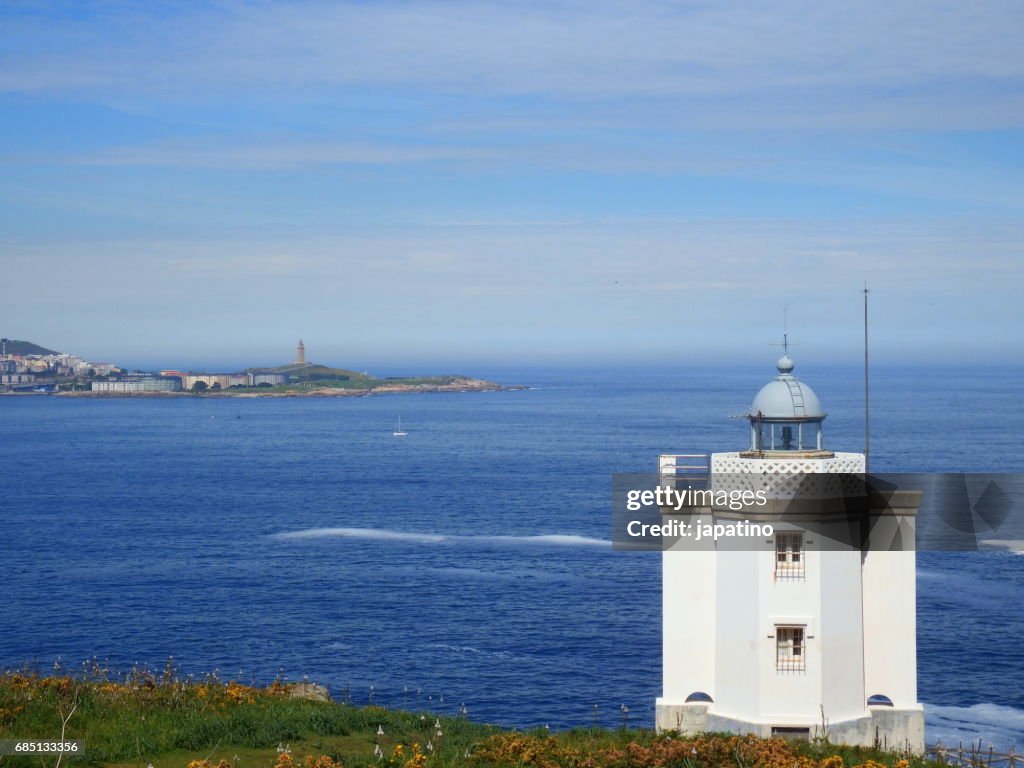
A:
(34, 367)
(300, 353)
(139, 384)
(169, 384)
(225, 380)
(11, 379)
(62, 362)
(19, 370)
(116, 386)
(273, 379)
(218, 380)
(82, 368)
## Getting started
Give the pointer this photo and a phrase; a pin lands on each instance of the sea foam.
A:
(384, 534)
(994, 724)
(361, 533)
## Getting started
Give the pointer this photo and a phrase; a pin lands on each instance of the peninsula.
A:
(36, 370)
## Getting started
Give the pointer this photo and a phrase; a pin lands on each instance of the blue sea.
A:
(467, 563)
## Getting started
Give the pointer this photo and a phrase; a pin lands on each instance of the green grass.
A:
(165, 722)
(311, 372)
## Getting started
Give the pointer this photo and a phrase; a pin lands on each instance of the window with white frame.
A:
(789, 555)
(790, 649)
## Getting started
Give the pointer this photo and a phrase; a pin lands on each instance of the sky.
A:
(433, 182)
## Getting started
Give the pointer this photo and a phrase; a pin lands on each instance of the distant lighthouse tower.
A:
(787, 635)
(300, 353)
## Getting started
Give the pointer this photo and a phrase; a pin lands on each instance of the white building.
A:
(138, 384)
(272, 379)
(225, 380)
(790, 636)
(83, 367)
(13, 379)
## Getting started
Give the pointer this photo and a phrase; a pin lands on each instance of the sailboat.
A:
(398, 430)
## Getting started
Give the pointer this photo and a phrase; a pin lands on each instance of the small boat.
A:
(398, 430)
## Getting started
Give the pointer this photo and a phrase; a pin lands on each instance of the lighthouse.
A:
(804, 632)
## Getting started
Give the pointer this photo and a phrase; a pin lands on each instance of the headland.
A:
(360, 386)
(29, 369)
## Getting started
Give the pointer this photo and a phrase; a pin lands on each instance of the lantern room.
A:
(786, 417)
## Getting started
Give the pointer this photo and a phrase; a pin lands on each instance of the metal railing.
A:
(685, 466)
(974, 755)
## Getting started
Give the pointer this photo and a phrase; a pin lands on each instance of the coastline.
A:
(165, 721)
(455, 384)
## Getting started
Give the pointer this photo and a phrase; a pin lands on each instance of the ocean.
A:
(467, 563)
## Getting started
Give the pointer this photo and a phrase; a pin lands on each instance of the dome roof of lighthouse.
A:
(786, 397)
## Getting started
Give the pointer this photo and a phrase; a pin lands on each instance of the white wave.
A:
(565, 540)
(515, 575)
(468, 649)
(994, 724)
(1008, 545)
(474, 573)
(361, 533)
(453, 648)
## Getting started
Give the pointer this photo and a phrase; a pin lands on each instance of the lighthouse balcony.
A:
(769, 463)
(791, 474)
(787, 454)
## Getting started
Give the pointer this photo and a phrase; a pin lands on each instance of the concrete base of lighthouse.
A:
(883, 727)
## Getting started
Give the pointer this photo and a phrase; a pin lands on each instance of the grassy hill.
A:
(16, 347)
(166, 722)
(314, 372)
(306, 376)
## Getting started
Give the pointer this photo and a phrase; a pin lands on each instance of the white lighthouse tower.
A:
(789, 636)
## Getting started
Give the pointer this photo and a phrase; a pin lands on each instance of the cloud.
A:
(240, 262)
(547, 173)
(271, 154)
(731, 256)
(898, 62)
(586, 290)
